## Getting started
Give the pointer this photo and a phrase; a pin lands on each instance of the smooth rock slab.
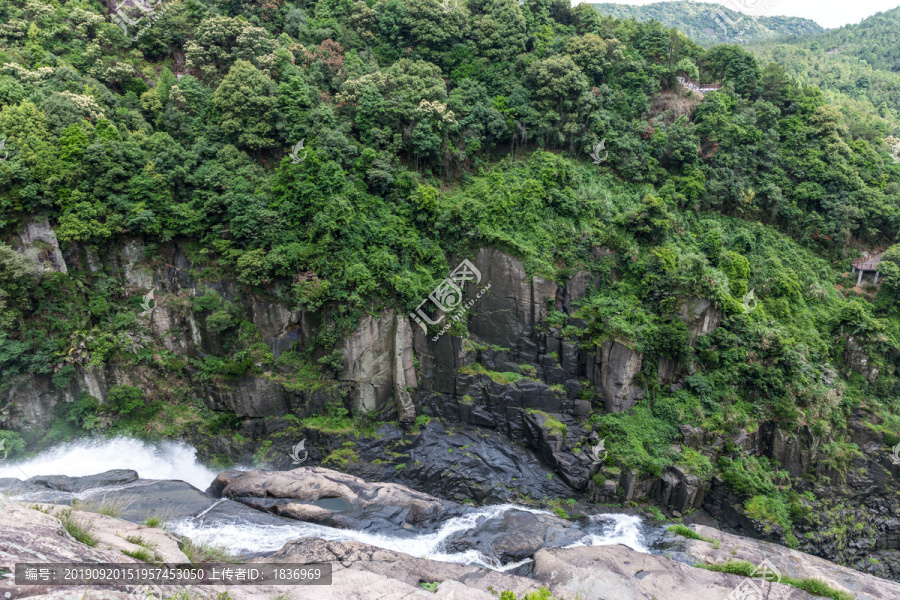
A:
(789, 562)
(619, 573)
(391, 502)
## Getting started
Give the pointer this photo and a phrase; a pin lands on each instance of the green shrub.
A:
(11, 444)
(125, 399)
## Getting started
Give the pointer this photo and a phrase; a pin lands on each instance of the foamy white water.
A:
(615, 529)
(175, 460)
(165, 460)
(241, 537)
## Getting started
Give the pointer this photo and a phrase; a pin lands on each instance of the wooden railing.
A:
(866, 265)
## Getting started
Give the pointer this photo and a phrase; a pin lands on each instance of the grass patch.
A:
(204, 552)
(553, 426)
(421, 421)
(141, 554)
(110, 507)
(816, 587)
(155, 520)
(77, 528)
(690, 533)
(342, 456)
(505, 378)
(657, 514)
(430, 586)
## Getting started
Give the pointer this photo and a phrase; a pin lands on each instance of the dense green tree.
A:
(245, 101)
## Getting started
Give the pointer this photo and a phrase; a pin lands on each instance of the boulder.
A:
(62, 483)
(516, 535)
(373, 501)
(469, 463)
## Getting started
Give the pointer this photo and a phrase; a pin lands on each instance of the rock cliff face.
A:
(512, 378)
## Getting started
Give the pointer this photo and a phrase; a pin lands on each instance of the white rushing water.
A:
(243, 537)
(166, 460)
(173, 460)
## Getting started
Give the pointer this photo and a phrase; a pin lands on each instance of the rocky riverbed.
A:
(383, 540)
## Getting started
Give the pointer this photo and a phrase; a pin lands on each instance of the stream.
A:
(222, 525)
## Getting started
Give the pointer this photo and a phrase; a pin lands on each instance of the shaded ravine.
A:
(245, 532)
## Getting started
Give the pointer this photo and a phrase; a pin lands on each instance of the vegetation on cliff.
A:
(428, 131)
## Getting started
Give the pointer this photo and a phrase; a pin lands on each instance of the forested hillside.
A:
(858, 63)
(430, 131)
(709, 24)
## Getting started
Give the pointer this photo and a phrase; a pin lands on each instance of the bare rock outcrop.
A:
(39, 244)
(380, 362)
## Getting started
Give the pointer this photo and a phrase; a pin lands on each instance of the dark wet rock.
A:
(513, 305)
(466, 463)
(248, 397)
(550, 444)
(516, 535)
(678, 490)
(62, 483)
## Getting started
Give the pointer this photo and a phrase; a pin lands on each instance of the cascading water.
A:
(172, 460)
(166, 460)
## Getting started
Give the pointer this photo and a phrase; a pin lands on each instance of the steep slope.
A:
(244, 226)
(860, 62)
(703, 22)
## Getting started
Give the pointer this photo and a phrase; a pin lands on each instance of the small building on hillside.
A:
(696, 86)
(865, 265)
